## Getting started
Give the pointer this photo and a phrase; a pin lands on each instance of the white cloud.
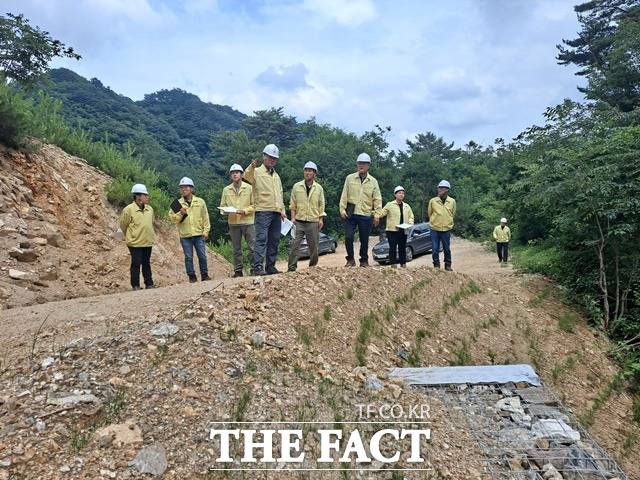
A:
(345, 12)
(289, 77)
(137, 11)
(476, 71)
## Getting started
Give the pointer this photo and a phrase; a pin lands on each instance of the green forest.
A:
(570, 187)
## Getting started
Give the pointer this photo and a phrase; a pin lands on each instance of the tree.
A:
(607, 50)
(25, 51)
(273, 126)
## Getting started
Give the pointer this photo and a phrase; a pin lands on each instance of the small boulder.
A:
(258, 339)
(372, 383)
(127, 433)
(23, 254)
(20, 275)
(165, 329)
(151, 459)
(56, 239)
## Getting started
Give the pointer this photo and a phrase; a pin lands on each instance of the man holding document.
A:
(190, 214)
(307, 212)
(237, 204)
(359, 200)
(399, 217)
(269, 208)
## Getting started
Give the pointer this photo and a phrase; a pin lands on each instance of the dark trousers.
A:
(441, 239)
(188, 245)
(397, 247)
(140, 257)
(268, 226)
(363, 224)
(236, 232)
(311, 231)
(503, 251)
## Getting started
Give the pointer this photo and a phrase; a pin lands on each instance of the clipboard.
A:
(176, 206)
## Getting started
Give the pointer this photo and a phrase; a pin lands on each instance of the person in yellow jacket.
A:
(502, 236)
(360, 200)
(269, 207)
(239, 195)
(398, 212)
(193, 226)
(307, 213)
(441, 211)
(136, 223)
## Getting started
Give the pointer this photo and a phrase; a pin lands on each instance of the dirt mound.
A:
(57, 232)
(307, 346)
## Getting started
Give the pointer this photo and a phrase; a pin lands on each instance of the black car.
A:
(418, 242)
(328, 244)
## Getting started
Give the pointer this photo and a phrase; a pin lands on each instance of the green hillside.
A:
(169, 130)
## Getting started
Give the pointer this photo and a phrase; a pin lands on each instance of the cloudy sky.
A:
(464, 69)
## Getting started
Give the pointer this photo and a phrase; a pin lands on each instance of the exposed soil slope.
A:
(318, 327)
(57, 232)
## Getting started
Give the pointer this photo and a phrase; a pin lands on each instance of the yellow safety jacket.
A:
(242, 200)
(441, 214)
(267, 188)
(137, 225)
(501, 234)
(365, 195)
(308, 207)
(392, 211)
(196, 223)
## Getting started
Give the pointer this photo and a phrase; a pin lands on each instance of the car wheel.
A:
(409, 254)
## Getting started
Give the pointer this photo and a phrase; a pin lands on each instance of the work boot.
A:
(193, 279)
(259, 273)
(403, 265)
(364, 263)
(350, 262)
(205, 277)
(237, 274)
(273, 271)
(436, 265)
(448, 268)
(150, 286)
(290, 270)
(135, 288)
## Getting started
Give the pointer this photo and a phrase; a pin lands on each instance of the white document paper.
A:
(228, 209)
(404, 226)
(286, 226)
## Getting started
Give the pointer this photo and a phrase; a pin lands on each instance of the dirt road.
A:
(94, 316)
(468, 257)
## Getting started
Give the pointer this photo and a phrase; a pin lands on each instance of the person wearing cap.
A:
(136, 223)
(269, 208)
(307, 213)
(360, 200)
(193, 226)
(441, 211)
(502, 236)
(239, 195)
(398, 212)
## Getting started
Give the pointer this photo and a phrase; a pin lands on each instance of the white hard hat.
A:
(363, 158)
(186, 182)
(272, 151)
(236, 168)
(399, 188)
(503, 220)
(311, 165)
(139, 188)
(444, 183)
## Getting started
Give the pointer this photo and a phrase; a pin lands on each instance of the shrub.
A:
(14, 117)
